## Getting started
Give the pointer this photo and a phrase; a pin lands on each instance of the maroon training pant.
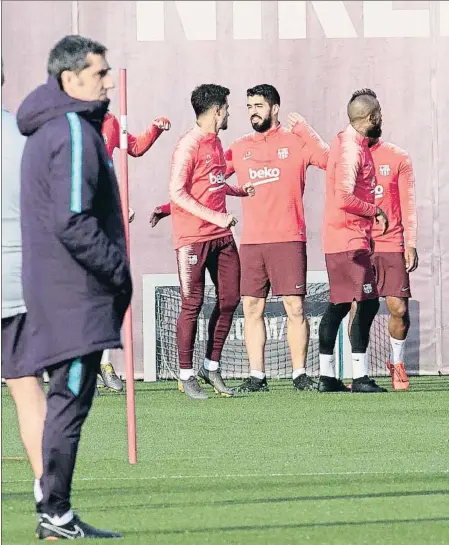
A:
(220, 257)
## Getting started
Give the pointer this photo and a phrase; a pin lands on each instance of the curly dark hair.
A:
(268, 92)
(205, 96)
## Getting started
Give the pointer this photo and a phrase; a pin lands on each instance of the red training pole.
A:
(127, 324)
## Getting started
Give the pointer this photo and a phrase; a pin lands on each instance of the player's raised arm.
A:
(183, 164)
(316, 146)
(139, 145)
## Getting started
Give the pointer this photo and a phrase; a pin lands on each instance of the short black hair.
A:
(268, 92)
(205, 96)
(362, 92)
(70, 54)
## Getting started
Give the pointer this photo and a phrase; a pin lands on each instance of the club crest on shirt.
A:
(283, 153)
(192, 259)
(247, 155)
(384, 170)
(367, 288)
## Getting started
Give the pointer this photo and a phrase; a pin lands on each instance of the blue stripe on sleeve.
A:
(77, 162)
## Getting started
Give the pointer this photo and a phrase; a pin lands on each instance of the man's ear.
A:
(66, 78)
(275, 109)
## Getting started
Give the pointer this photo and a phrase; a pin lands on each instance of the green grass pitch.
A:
(273, 468)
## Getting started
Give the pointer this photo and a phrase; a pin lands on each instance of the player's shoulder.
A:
(394, 150)
(244, 140)
(287, 135)
(189, 142)
(110, 122)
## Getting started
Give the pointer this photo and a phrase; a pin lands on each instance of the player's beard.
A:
(263, 125)
(374, 132)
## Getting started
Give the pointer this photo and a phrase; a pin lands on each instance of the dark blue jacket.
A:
(76, 278)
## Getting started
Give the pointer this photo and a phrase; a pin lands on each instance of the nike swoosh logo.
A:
(405, 289)
(299, 286)
(63, 531)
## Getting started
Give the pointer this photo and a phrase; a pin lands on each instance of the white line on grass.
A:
(252, 475)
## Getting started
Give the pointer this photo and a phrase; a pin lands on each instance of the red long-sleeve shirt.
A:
(198, 189)
(275, 162)
(350, 183)
(395, 194)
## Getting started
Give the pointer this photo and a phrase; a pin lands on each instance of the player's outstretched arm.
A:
(317, 148)
(407, 202)
(183, 163)
(248, 190)
(139, 145)
(159, 213)
(71, 194)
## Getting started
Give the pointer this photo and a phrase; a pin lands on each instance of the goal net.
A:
(163, 305)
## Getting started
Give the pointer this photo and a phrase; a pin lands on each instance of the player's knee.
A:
(398, 308)
(230, 302)
(253, 307)
(191, 306)
(367, 309)
(294, 307)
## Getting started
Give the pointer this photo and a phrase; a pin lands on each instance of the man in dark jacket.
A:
(76, 277)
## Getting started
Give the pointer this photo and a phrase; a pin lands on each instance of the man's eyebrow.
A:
(104, 71)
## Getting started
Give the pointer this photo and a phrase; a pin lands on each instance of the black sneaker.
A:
(39, 507)
(331, 384)
(304, 382)
(366, 385)
(75, 529)
(253, 384)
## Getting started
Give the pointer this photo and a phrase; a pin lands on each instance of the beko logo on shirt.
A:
(378, 192)
(217, 180)
(264, 175)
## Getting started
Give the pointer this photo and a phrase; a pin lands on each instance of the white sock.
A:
(397, 350)
(105, 357)
(298, 372)
(327, 365)
(38, 496)
(258, 374)
(359, 365)
(210, 365)
(185, 374)
(64, 519)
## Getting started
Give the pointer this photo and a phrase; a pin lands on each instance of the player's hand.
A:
(156, 216)
(162, 123)
(382, 220)
(250, 189)
(411, 259)
(292, 119)
(131, 215)
(231, 221)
